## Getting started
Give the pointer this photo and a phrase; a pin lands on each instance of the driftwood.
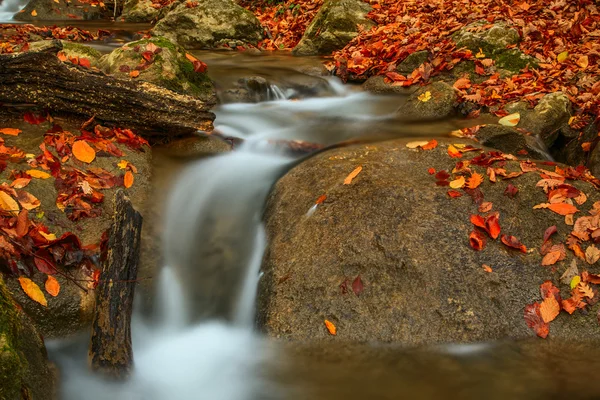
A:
(110, 350)
(40, 78)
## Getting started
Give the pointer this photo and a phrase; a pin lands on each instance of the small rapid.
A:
(8, 8)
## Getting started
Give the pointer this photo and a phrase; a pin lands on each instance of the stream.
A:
(199, 341)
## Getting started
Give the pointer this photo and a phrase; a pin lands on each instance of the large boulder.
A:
(388, 256)
(50, 10)
(159, 61)
(336, 24)
(142, 11)
(209, 24)
(431, 102)
(24, 368)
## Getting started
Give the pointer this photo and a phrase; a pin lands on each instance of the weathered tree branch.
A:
(110, 351)
(40, 78)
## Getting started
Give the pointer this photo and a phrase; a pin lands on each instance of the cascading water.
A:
(9, 7)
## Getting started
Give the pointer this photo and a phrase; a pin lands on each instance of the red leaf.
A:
(43, 262)
(477, 220)
(477, 240)
(547, 289)
(84, 62)
(32, 119)
(511, 191)
(492, 226)
(454, 193)
(513, 242)
(357, 286)
(431, 171)
(549, 232)
(199, 66)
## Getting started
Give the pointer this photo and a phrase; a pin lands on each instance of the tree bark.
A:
(40, 78)
(110, 351)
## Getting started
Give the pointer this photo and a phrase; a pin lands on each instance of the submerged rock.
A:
(510, 140)
(24, 368)
(50, 10)
(336, 24)
(159, 61)
(209, 24)
(387, 257)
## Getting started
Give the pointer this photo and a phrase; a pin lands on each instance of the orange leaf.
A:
(534, 320)
(549, 309)
(32, 290)
(513, 242)
(454, 193)
(492, 226)
(487, 268)
(128, 180)
(330, 327)
(190, 57)
(34, 13)
(551, 258)
(352, 175)
(321, 199)
(474, 181)
(485, 206)
(559, 208)
(585, 290)
(52, 286)
(453, 152)
(83, 151)
(10, 131)
(27, 200)
(62, 56)
(134, 74)
(36, 173)
(432, 144)
(586, 146)
(20, 183)
(477, 240)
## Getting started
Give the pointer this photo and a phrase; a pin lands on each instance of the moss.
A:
(12, 362)
(80, 49)
(514, 60)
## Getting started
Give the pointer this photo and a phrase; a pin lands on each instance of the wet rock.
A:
(333, 27)
(377, 85)
(196, 146)
(413, 61)
(510, 140)
(210, 24)
(408, 241)
(434, 101)
(254, 89)
(550, 114)
(24, 368)
(50, 10)
(168, 67)
(70, 49)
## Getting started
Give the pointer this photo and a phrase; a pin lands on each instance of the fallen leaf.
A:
(83, 151)
(27, 200)
(549, 309)
(47, 236)
(534, 320)
(592, 254)
(62, 56)
(357, 285)
(559, 208)
(7, 203)
(128, 179)
(513, 242)
(34, 13)
(453, 152)
(457, 183)
(431, 171)
(511, 191)
(585, 290)
(586, 146)
(487, 268)
(492, 226)
(549, 232)
(10, 131)
(583, 61)
(352, 175)
(432, 144)
(551, 258)
(52, 286)
(32, 290)
(485, 207)
(20, 183)
(474, 181)
(35, 173)
(134, 74)
(575, 281)
(321, 199)
(415, 144)
(151, 47)
(454, 194)
(425, 96)
(330, 327)
(477, 240)
(561, 57)
(510, 120)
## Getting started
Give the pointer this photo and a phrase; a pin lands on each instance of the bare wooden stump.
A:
(40, 78)
(110, 350)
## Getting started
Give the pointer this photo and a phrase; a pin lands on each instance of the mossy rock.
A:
(413, 61)
(70, 49)
(431, 102)
(475, 37)
(50, 10)
(513, 61)
(210, 24)
(143, 11)
(333, 27)
(24, 368)
(168, 67)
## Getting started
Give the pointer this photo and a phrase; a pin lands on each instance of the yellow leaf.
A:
(480, 54)
(52, 286)
(128, 179)
(7, 203)
(32, 290)
(562, 56)
(330, 327)
(48, 236)
(34, 13)
(510, 120)
(414, 145)
(83, 151)
(425, 96)
(453, 152)
(10, 131)
(458, 182)
(575, 281)
(122, 164)
(583, 62)
(36, 173)
(352, 175)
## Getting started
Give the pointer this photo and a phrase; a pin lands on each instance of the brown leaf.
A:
(357, 285)
(585, 290)
(485, 207)
(52, 286)
(551, 258)
(592, 254)
(32, 290)
(27, 200)
(534, 320)
(352, 175)
(549, 232)
(569, 273)
(83, 151)
(513, 242)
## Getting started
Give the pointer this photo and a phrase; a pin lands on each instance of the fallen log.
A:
(110, 351)
(40, 78)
